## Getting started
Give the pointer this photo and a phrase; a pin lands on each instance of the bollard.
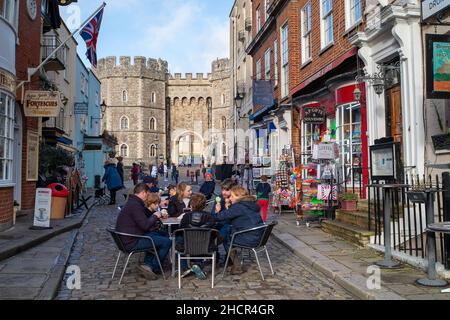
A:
(387, 263)
(431, 280)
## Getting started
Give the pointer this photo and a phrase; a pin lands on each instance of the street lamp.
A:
(156, 153)
(386, 75)
(239, 100)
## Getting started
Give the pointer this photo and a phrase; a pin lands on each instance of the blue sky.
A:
(189, 34)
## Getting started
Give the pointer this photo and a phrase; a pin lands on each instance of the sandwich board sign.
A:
(42, 208)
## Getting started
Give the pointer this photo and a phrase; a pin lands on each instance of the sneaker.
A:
(147, 272)
(198, 272)
(186, 273)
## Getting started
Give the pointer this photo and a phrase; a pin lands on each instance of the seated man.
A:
(135, 218)
(208, 186)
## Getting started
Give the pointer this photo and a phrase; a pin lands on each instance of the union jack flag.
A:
(90, 34)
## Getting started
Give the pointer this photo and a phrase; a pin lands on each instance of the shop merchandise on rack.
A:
(285, 184)
(319, 192)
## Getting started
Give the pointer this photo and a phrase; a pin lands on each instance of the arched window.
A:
(153, 150)
(153, 99)
(124, 96)
(224, 123)
(152, 124)
(224, 149)
(124, 150)
(124, 123)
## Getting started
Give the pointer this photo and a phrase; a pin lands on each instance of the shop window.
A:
(348, 135)
(310, 136)
(6, 137)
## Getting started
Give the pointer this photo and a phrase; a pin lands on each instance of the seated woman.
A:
(180, 203)
(198, 218)
(243, 214)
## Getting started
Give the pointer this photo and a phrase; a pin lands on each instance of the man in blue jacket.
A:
(135, 218)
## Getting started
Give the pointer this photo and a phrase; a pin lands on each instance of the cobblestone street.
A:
(95, 254)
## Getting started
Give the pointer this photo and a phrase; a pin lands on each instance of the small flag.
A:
(90, 34)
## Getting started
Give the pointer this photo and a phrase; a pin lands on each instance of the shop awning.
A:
(272, 127)
(261, 112)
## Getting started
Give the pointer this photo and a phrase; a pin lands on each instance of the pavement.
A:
(309, 264)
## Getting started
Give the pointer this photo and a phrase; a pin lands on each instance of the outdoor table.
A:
(169, 222)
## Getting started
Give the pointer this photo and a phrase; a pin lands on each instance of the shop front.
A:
(332, 116)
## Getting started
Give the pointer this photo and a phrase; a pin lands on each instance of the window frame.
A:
(284, 45)
(267, 65)
(127, 149)
(258, 69)
(7, 159)
(305, 23)
(122, 128)
(326, 24)
(153, 151)
(275, 62)
(258, 19)
(124, 95)
(351, 19)
(155, 127)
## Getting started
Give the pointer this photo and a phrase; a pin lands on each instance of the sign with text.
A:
(32, 156)
(438, 66)
(325, 151)
(314, 115)
(42, 104)
(432, 7)
(81, 109)
(42, 208)
(7, 81)
(263, 94)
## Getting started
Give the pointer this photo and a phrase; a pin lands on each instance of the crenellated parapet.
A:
(139, 67)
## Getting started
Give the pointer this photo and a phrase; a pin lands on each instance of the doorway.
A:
(18, 136)
(394, 115)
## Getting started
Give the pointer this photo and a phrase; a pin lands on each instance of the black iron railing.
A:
(408, 219)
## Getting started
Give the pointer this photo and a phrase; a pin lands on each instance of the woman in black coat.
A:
(180, 203)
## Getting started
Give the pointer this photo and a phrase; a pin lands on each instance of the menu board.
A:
(32, 156)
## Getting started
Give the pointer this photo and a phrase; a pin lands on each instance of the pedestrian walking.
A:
(263, 190)
(112, 180)
(154, 173)
(135, 173)
(120, 170)
(174, 171)
(166, 172)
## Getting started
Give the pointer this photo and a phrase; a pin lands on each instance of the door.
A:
(395, 114)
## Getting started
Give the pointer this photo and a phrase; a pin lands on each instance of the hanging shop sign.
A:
(438, 66)
(42, 208)
(431, 8)
(263, 93)
(81, 109)
(314, 115)
(42, 104)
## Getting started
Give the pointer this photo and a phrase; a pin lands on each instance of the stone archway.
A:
(189, 148)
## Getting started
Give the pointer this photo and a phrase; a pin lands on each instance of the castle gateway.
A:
(156, 115)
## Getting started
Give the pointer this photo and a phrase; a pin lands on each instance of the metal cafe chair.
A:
(116, 237)
(197, 245)
(265, 232)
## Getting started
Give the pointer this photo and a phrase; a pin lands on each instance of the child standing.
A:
(263, 190)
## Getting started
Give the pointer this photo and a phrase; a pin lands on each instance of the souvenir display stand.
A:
(285, 187)
(319, 191)
(261, 167)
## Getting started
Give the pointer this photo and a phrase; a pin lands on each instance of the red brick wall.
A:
(6, 207)
(28, 54)
(341, 43)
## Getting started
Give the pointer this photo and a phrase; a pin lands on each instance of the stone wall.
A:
(194, 104)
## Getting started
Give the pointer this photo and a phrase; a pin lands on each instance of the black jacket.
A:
(135, 219)
(207, 189)
(176, 207)
(200, 220)
(243, 215)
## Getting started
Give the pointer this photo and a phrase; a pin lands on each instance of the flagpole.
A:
(34, 70)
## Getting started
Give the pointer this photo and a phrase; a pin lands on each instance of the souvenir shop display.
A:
(319, 191)
(261, 167)
(285, 184)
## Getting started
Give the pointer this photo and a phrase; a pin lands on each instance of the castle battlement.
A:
(140, 67)
(189, 77)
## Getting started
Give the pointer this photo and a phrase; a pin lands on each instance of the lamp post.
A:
(239, 100)
(103, 107)
(386, 75)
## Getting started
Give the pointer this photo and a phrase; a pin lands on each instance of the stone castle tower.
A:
(156, 115)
